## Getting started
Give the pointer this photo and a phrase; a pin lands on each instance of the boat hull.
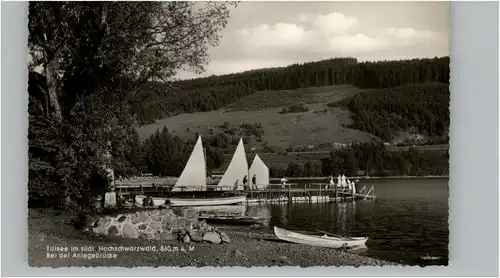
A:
(330, 242)
(232, 220)
(215, 201)
(184, 202)
(157, 201)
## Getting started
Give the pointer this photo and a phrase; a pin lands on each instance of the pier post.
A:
(289, 194)
(320, 198)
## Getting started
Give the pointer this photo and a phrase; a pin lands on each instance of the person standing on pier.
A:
(332, 184)
(245, 181)
(283, 182)
(254, 181)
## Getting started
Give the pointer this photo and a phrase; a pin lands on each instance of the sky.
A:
(276, 34)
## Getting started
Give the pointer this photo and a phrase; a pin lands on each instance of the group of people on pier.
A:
(342, 182)
(245, 182)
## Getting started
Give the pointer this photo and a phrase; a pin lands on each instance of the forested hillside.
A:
(214, 92)
(422, 109)
(387, 99)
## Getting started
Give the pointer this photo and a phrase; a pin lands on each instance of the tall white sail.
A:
(260, 171)
(194, 175)
(237, 169)
(339, 181)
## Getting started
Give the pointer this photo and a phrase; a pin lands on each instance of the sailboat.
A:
(236, 171)
(190, 188)
(260, 171)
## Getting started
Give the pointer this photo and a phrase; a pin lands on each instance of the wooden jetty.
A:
(272, 193)
(311, 192)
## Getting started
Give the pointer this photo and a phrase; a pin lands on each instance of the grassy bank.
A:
(248, 248)
(321, 123)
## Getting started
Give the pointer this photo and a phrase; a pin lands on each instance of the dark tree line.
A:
(372, 159)
(161, 101)
(376, 160)
(422, 109)
(163, 154)
(210, 93)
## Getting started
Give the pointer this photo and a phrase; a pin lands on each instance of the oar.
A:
(332, 234)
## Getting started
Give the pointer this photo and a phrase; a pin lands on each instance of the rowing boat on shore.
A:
(321, 241)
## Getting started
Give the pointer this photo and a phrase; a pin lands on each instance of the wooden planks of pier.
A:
(312, 192)
(292, 192)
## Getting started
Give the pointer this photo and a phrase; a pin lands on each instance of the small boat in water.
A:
(320, 241)
(231, 220)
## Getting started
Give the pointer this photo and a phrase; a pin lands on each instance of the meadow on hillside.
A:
(320, 123)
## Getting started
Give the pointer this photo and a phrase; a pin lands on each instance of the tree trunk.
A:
(51, 73)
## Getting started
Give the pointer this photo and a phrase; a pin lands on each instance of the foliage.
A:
(370, 159)
(167, 155)
(422, 109)
(161, 103)
(95, 57)
(297, 108)
(256, 129)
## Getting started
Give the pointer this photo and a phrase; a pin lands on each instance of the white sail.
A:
(339, 181)
(353, 188)
(237, 169)
(194, 175)
(260, 171)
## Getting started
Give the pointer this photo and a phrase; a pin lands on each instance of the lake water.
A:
(408, 220)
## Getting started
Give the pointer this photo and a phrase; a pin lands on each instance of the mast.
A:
(205, 155)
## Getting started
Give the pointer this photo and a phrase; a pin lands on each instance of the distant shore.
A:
(248, 249)
(365, 177)
(147, 182)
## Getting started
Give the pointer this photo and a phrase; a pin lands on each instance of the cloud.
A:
(261, 41)
(359, 43)
(324, 33)
(280, 35)
(333, 23)
(407, 33)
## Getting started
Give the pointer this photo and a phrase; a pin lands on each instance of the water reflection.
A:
(409, 220)
(337, 218)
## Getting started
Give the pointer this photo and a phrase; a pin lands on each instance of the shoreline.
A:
(368, 177)
(148, 182)
(248, 248)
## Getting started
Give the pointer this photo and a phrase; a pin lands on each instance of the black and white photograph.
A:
(240, 134)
